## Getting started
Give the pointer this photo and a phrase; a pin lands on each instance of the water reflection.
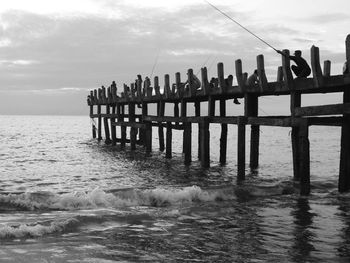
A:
(344, 214)
(303, 235)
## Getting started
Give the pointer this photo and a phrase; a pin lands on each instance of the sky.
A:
(53, 52)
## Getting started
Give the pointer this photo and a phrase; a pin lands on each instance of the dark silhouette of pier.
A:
(120, 112)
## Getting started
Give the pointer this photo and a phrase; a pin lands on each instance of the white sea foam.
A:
(37, 230)
(98, 198)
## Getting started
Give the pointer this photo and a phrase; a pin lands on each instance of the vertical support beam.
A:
(205, 83)
(179, 86)
(304, 157)
(223, 138)
(113, 128)
(344, 169)
(160, 113)
(169, 135)
(316, 67)
(279, 74)
(241, 148)
(144, 114)
(157, 87)
(197, 109)
(106, 126)
(99, 125)
(211, 106)
(166, 86)
(295, 101)
(122, 128)
(148, 138)
(251, 107)
(239, 75)
(188, 140)
(287, 73)
(183, 114)
(191, 87)
(326, 68)
(221, 78)
(205, 142)
(261, 73)
(133, 130)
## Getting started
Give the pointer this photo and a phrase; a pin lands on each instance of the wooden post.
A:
(122, 128)
(133, 130)
(144, 114)
(106, 126)
(326, 68)
(304, 158)
(197, 109)
(241, 148)
(183, 114)
(239, 75)
(251, 107)
(223, 138)
(221, 78)
(279, 74)
(261, 73)
(168, 151)
(148, 138)
(205, 83)
(113, 128)
(156, 87)
(316, 67)
(287, 73)
(167, 92)
(344, 169)
(188, 142)
(211, 106)
(205, 142)
(99, 125)
(160, 113)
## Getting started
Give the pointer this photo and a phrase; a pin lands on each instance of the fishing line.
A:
(246, 29)
(154, 64)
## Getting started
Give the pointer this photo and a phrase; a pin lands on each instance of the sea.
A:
(66, 197)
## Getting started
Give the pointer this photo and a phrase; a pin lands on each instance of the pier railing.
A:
(120, 112)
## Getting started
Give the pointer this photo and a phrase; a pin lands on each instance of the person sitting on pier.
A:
(253, 79)
(214, 83)
(228, 83)
(302, 68)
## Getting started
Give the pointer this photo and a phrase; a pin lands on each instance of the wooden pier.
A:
(120, 112)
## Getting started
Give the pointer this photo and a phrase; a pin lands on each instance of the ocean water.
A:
(65, 197)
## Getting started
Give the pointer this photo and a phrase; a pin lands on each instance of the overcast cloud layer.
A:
(52, 54)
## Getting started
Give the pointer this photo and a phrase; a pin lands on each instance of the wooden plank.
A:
(270, 121)
(129, 124)
(295, 153)
(211, 106)
(332, 109)
(172, 119)
(157, 87)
